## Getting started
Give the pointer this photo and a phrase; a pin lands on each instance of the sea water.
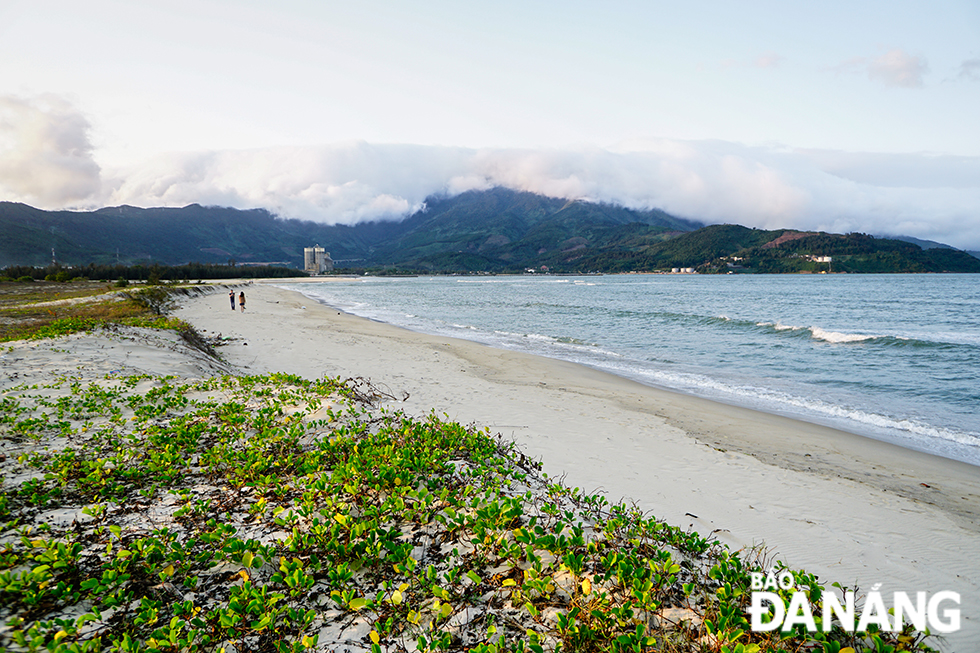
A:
(893, 357)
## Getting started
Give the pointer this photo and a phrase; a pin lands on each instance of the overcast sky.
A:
(844, 116)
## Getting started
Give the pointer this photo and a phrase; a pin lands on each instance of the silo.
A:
(323, 260)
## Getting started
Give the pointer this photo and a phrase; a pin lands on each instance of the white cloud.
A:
(925, 196)
(970, 70)
(47, 161)
(45, 153)
(893, 68)
(343, 183)
(898, 68)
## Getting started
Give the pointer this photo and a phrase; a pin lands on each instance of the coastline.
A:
(842, 506)
(810, 350)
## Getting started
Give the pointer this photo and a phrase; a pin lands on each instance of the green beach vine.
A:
(275, 513)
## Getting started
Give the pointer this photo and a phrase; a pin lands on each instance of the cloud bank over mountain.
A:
(47, 160)
(45, 152)
(936, 198)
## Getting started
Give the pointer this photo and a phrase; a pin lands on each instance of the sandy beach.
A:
(847, 508)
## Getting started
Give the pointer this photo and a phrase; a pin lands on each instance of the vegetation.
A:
(260, 513)
(493, 231)
(496, 220)
(502, 230)
(733, 248)
(264, 513)
(37, 311)
(153, 273)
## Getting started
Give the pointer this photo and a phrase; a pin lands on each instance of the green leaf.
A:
(358, 603)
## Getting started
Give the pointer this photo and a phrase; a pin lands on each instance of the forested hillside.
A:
(493, 231)
(507, 225)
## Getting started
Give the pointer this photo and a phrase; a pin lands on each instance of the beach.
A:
(847, 508)
(866, 514)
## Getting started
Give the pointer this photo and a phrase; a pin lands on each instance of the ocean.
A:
(892, 357)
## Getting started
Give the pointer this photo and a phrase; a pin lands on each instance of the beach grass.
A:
(275, 513)
(13, 293)
(27, 313)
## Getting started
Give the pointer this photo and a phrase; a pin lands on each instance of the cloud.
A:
(47, 161)
(893, 68)
(898, 68)
(970, 70)
(931, 197)
(342, 183)
(45, 152)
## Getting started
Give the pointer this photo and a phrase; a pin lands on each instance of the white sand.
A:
(122, 351)
(844, 507)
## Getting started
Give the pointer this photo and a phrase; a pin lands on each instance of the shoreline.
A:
(848, 508)
(826, 450)
(815, 390)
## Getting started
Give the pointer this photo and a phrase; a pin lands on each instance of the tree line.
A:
(151, 272)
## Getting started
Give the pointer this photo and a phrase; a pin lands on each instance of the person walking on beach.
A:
(241, 300)
(231, 296)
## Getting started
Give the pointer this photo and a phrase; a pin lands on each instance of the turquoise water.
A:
(894, 357)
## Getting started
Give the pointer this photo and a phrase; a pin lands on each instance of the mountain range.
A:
(496, 230)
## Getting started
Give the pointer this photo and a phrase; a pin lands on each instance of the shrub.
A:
(155, 298)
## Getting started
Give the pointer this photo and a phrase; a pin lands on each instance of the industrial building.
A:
(316, 260)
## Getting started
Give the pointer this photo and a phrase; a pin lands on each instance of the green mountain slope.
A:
(505, 229)
(734, 248)
(170, 236)
(497, 230)
(478, 222)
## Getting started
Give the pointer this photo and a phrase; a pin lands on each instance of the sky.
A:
(839, 116)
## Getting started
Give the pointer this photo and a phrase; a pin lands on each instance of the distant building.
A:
(316, 260)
